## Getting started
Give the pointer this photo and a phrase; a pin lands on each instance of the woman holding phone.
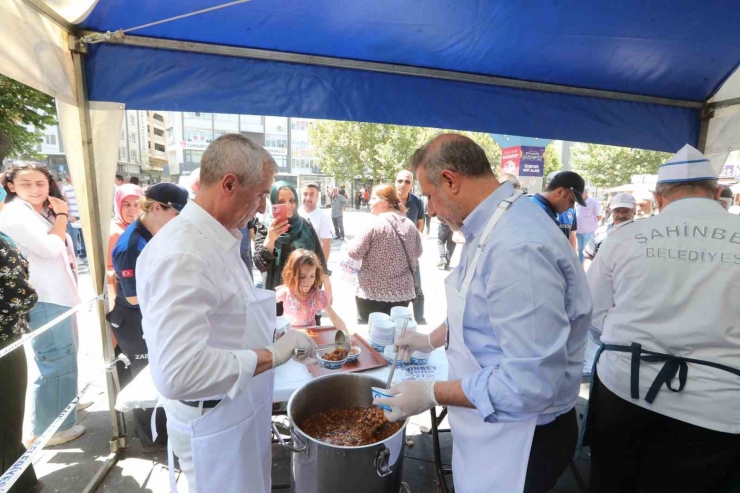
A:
(286, 232)
(35, 218)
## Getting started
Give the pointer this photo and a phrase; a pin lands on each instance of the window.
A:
(122, 153)
(134, 154)
(159, 147)
(50, 140)
(158, 117)
(282, 162)
(192, 156)
(132, 137)
(158, 132)
(192, 134)
(132, 119)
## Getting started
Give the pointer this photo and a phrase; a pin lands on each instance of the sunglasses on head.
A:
(401, 181)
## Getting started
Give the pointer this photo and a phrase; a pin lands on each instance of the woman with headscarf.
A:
(127, 210)
(275, 242)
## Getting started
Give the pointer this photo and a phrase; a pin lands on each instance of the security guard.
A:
(664, 404)
(562, 190)
(161, 204)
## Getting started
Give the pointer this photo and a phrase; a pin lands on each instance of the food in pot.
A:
(350, 426)
(338, 354)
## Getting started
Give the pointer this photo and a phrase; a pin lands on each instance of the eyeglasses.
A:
(400, 182)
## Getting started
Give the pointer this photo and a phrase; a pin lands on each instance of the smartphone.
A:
(280, 212)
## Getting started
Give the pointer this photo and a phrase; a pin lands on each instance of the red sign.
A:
(510, 160)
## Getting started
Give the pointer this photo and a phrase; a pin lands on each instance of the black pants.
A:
(445, 245)
(427, 223)
(553, 447)
(13, 380)
(338, 226)
(634, 449)
(126, 325)
(366, 307)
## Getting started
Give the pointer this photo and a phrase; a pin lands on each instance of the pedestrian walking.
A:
(338, 202)
(588, 216)
(445, 245)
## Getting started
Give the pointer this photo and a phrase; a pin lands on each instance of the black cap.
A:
(169, 194)
(569, 180)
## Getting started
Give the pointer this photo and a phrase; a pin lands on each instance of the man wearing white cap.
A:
(623, 208)
(665, 398)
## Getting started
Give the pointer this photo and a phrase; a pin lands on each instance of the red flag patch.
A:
(127, 273)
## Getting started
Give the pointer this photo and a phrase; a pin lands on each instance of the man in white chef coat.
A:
(665, 407)
(518, 309)
(210, 331)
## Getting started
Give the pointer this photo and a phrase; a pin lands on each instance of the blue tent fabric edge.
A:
(182, 81)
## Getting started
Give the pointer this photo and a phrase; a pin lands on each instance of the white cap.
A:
(688, 164)
(626, 200)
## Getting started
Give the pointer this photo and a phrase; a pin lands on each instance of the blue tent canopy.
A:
(385, 57)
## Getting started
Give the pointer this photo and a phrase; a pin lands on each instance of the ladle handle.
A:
(395, 360)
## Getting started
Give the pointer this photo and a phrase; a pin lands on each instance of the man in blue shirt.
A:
(562, 190)
(518, 309)
(415, 212)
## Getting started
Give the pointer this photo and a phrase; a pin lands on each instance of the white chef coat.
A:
(49, 258)
(670, 283)
(187, 279)
(320, 222)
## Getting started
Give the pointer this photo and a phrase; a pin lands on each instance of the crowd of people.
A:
(540, 279)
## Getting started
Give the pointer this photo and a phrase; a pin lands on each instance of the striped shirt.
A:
(69, 195)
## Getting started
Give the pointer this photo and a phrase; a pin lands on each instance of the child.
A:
(301, 294)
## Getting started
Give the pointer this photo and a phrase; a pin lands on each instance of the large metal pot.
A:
(322, 468)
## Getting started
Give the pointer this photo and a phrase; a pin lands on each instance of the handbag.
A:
(348, 266)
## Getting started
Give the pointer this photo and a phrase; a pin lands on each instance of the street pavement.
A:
(70, 467)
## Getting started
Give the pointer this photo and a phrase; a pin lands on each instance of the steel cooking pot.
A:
(319, 467)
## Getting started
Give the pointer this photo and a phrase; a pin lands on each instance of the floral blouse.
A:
(17, 296)
(302, 313)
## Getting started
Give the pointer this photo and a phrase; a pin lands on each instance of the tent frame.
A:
(78, 41)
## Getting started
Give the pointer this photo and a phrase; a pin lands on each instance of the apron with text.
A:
(487, 457)
(231, 444)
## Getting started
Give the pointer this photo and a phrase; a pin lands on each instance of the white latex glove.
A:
(409, 399)
(412, 341)
(282, 349)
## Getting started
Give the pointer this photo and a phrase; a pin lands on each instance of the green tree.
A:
(374, 151)
(552, 161)
(21, 105)
(608, 166)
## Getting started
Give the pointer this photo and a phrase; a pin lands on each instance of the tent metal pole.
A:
(101, 473)
(97, 255)
(704, 119)
(723, 104)
(389, 68)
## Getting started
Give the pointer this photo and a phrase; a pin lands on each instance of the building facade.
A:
(142, 147)
(286, 139)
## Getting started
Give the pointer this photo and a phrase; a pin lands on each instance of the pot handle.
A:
(299, 449)
(381, 462)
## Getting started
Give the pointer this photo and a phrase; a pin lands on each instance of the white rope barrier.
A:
(48, 325)
(14, 472)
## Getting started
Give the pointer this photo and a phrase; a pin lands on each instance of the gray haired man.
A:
(210, 331)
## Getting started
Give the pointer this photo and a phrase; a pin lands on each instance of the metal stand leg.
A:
(438, 466)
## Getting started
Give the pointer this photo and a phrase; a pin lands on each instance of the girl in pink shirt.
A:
(301, 294)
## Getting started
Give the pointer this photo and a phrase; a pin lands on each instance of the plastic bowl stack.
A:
(401, 312)
(372, 318)
(390, 355)
(382, 334)
(419, 358)
(411, 327)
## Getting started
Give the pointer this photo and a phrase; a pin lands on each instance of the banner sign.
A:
(532, 161)
(510, 160)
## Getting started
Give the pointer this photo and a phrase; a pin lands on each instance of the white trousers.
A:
(180, 442)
